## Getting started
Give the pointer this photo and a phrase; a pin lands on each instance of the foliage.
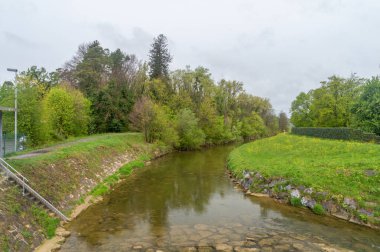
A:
(32, 86)
(301, 111)
(294, 201)
(159, 58)
(191, 136)
(162, 126)
(336, 167)
(367, 107)
(110, 80)
(154, 121)
(318, 209)
(340, 102)
(283, 122)
(141, 116)
(100, 90)
(65, 113)
(337, 133)
(252, 127)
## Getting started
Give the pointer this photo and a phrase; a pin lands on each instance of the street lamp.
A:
(15, 71)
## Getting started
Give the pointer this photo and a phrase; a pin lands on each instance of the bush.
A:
(295, 202)
(65, 113)
(318, 209)
(190, 135)
(337, 133)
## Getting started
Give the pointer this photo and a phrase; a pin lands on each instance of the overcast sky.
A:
(277, 48)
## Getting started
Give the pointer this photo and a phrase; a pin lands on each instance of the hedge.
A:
(337, 133)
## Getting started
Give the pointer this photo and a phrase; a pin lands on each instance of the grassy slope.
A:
(66, 167)
(62, 176)
(338, 167)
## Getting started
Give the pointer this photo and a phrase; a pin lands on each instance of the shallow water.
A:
(186, 201)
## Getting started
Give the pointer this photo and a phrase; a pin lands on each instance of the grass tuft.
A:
(318, 209)
(49, 224)
(295, 202)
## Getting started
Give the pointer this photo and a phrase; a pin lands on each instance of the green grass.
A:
(333, 166)
(49, 224)
(84, 145)
(318, 209)
(4, 243)
(295, 202)
(124, 171)
(64, 167)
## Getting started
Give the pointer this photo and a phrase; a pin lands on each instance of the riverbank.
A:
(327, 176)
(65, 176)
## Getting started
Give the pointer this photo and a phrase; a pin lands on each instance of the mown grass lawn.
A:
(341, 168)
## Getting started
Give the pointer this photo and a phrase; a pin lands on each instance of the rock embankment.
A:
(320, 202)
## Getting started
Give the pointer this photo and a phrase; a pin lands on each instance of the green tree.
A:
(212, 124)
(190, 135)
(367, 109)
(112, 81)
(91, 72)
(154, 121)
(226, 100)
(332, 102)
(301, 111)
(141, 117)
(65, 113)
(252, 127)
(32, 86)
(283, 122)
(82, 112)
(163, 126)
(159, 58)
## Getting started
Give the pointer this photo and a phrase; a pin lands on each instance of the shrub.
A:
(337, 133)
(191, 136)
(363, 218)
(295, 202)
(318, 209)
(65, 112)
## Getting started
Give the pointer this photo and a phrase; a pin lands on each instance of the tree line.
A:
(99, 91)
(340, 102)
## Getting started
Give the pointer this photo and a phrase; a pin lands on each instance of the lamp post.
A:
(15, 71)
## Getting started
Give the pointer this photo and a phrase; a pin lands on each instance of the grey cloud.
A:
(138, 43)
(18, 40)
(277, 48)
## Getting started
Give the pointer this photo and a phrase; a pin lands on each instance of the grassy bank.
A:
(335, 169)
(64, 174)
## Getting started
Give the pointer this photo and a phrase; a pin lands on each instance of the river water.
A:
(185, 201)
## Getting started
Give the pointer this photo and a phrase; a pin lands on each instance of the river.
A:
(185, 201)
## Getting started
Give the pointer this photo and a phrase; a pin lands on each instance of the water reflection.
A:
(185, 199)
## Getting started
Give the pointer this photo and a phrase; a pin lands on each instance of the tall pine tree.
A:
(159, 58)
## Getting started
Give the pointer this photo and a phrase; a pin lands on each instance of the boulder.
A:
(295, 193)
(308, 202)
(350, 203)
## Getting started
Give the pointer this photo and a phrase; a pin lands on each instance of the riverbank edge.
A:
(295, 195)
(55, 243)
